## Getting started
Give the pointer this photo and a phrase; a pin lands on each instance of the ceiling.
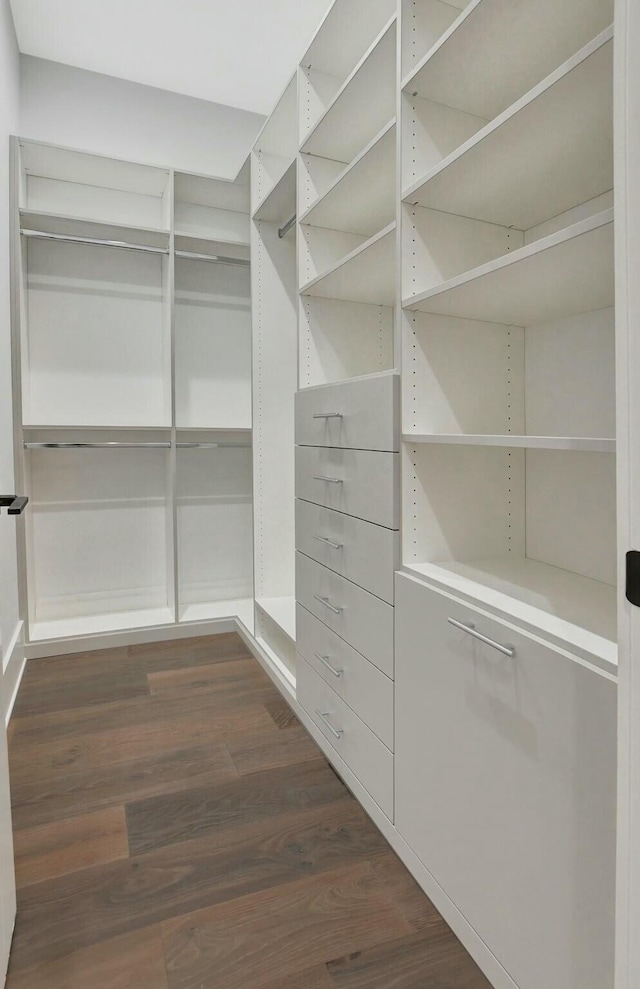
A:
(240, 54)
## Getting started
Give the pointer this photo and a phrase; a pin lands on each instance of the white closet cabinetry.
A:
(275, 375)
(133, 346)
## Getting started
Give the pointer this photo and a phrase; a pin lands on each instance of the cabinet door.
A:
(505, 787)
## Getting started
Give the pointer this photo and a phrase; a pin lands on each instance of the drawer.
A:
(362, 483)
(365, 689)
(363, 552)
(362, 414)
(365, 755)
(506, 787)
(360, 618)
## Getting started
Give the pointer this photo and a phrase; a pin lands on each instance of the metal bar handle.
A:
(470, 629)
(327, 603)
(329, 480)
(97, 446)
(325, 662)
(328, 415)
(329, 542)
(336, 732)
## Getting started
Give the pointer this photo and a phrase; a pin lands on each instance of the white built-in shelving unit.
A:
(133, 349)
(275, 376)
(508, 326)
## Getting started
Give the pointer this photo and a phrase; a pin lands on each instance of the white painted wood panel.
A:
(362, 751)
(360, 618)
(505, 788)
(363, 483)
(359, 414)
(366, 554)
(340, 340)
(367, 691)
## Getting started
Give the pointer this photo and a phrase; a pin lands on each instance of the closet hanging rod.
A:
(97, 446)
(213, 446)
(283, 231)
(214, 258)
(94, 241)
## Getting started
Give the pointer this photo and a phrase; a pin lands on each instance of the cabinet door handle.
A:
(336, 732)
(325, 662)
(470, 629)
(327, 603)
(329, 542)
(329, 480)
(328, 415)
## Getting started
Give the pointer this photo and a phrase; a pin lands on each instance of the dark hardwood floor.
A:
(176, 828)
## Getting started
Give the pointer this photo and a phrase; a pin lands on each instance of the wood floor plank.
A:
(58, 849)
(280, 932)
(68, 793)
(132, 961)
(421, 960)
(165, 820)
(231, 676)
(254, 752)
(61, 916)
(79, 691)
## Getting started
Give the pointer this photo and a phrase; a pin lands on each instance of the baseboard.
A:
(128, 637)
(467, 935)
(14, 667)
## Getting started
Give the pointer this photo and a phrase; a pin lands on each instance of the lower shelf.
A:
(62, 628)
(282, 611)
(573, 610)
(241, 608)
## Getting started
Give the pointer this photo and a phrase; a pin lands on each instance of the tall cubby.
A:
(275, 376)
(133, 354)
(508, 322)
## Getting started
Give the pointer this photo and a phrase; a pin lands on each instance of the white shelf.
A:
(282, 611)
(367, 274)
(361, 199)
(280, 204)
(589, 444)
(71, 226)
(64, 628)
(575, 611)
(566, 273)
(488, 57)
(241, 608)
(362, 104)
(212, 247)
(549, 152)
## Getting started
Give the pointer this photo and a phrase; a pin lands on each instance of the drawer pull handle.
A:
(329, 480)
(327, 603)
(336, 732)
(470, 629)
(325, 662)
(329, 542)
(328, 415)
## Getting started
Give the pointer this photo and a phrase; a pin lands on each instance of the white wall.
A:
(9, 107)
(92, 112)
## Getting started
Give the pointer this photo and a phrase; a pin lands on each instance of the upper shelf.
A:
(362, 105)
(114, 233)
(345, 33)
(549, 152)
(566, 273)
(367, 274)
(280, 203)
(490, 56)
(362, 197)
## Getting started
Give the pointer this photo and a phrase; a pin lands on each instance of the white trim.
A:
(128, 637)
(13, 671)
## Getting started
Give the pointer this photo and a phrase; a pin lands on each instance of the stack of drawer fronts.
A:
(347, 543)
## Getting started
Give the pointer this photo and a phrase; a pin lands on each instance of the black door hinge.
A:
(633, 577)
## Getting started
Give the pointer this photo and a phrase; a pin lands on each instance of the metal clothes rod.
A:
(283, 231)
(213, 446)
(97, 446)
(95, 242)
(214, 259)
